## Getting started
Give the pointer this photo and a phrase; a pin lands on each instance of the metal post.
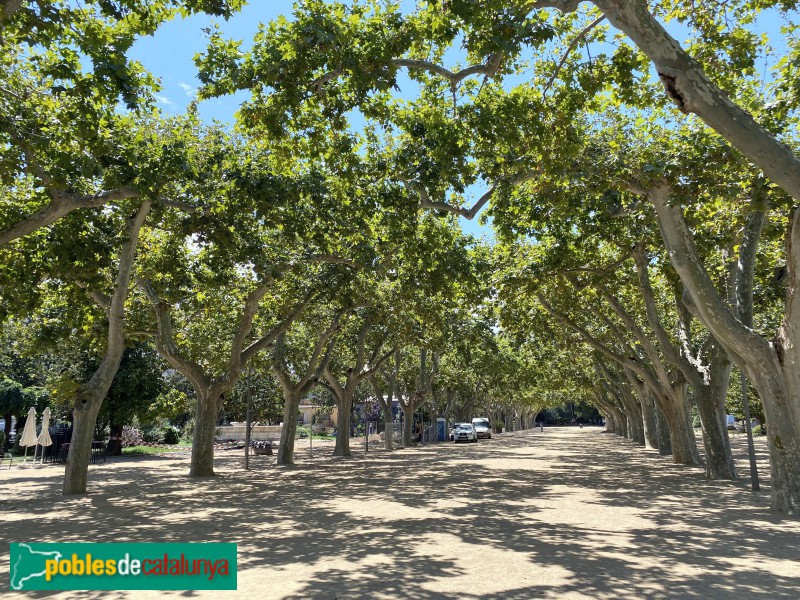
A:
(248, 420)
(751, 451)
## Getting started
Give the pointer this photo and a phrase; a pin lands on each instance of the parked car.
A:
(464, 432)
(483, 428)
(731, 422)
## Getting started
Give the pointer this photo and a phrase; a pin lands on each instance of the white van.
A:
(483, 427)
(731, 422)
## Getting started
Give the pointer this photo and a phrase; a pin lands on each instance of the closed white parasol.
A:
(29, 433)
(44, 438)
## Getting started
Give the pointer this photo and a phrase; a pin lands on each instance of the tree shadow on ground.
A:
(565, 513)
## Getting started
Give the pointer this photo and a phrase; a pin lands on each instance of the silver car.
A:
(483, 428)
(464, 432)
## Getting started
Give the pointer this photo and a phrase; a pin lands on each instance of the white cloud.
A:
(191, 91)
(165, 101)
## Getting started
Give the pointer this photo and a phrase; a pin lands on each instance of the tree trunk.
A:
(692, 91)
(618, 426)
(115, 440)
(291, 405)
(771, 366)
(645, 406)
(342, 447)
(408, 420)
(345, 407)
(622, 424)
(388, 429)
(84, 420)
(649, 420)
(681, 432)
(783, 436)
(613, 415)
(633, 416)
(205, 427)
(664, 440)
(710, 400)
(88, 402)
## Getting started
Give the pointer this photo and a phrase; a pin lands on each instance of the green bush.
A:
(759, 430)
(170, 435)
(151, 434)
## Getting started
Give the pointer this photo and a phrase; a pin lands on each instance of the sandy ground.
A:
(567, 513)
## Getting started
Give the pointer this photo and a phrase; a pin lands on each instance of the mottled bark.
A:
(645, 397)
(344, 405)
(291, 406)
(633, 416)
(89, 399)
(61, 205)
(662, 428)
(296, 381)
(344, 392)
(205, 427)
(710, 401)
(691, 90)
(681, 433)
(773, 367)
(649, 421)
(387, 402)
(708, 373)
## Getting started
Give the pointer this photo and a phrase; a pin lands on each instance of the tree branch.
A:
(737, 338)
(582, 34)
(273, 334)
(489, 68)
(184, 206)
(165, 339)
(62, 204)
(468, 213)
(246, 324)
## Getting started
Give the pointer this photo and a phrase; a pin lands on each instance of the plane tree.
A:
(298, 359)
(230, 290)
(65, 73)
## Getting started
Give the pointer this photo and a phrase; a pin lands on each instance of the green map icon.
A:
(28, 564)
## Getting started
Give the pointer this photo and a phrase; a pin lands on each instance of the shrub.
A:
(151, 433)
(170, 435)
(131, 436)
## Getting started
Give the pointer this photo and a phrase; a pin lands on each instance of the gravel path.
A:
(565, 513)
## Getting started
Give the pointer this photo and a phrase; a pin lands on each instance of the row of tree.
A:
(644, 197)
